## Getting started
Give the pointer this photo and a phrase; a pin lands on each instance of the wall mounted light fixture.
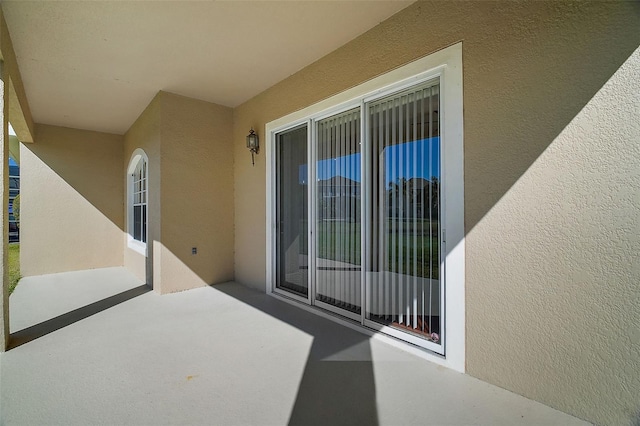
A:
(253, 144)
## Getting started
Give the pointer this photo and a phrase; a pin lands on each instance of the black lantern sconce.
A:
(253, 144)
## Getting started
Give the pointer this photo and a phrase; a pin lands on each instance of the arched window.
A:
(137, 186)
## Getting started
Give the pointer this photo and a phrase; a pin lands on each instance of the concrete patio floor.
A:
(97, 348)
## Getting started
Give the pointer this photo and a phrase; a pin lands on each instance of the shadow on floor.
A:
(34, 332)
(337, 386)
(336, 393)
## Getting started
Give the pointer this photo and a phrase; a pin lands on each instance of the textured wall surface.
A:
(559, 285)
(188, 143)
(71, 201)
(197, 193)
(552, 201)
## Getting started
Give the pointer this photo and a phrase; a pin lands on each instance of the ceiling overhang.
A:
(96, 65)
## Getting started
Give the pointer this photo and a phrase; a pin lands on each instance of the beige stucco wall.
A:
(551, 187)
(197, 193)
(188, 143)
(71, 201)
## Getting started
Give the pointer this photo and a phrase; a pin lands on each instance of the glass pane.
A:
(137, 222)
(338, 176)
(143, 219)
(292, 186)
(405, 285)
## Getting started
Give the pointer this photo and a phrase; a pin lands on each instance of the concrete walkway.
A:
(222, 355)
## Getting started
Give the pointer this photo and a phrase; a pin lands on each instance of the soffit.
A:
(96, 65)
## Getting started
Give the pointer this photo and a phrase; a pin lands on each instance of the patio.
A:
(96, 347)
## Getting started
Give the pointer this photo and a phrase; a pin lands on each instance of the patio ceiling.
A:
(96, 65)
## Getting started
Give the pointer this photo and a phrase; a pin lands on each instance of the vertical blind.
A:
(404, 211)
(338, 177)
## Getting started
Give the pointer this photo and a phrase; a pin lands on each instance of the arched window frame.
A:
(137, 201)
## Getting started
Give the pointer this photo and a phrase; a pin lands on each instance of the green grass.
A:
(419, 252)
(14, 266)
(339, 241)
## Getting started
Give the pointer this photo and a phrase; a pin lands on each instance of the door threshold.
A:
(405, 346)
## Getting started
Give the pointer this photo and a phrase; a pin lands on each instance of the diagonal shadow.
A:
(29, 334)
(337, 386)
(73, 155)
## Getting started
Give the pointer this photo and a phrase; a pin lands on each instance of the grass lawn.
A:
(14, 266)
(419, 252)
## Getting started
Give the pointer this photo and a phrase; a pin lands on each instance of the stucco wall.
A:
(197, 193)
(71, 201)
(145, 134)
(188, 143)
(551, 187)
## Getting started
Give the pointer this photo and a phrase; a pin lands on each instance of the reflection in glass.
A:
(338, 276)
(404, 280)
(291, 212)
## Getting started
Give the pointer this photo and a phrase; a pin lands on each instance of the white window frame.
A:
(446, 65)
(136, 245)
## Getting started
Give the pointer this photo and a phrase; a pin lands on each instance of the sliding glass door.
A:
(358, 198)
(403, 213)
(338, 213)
